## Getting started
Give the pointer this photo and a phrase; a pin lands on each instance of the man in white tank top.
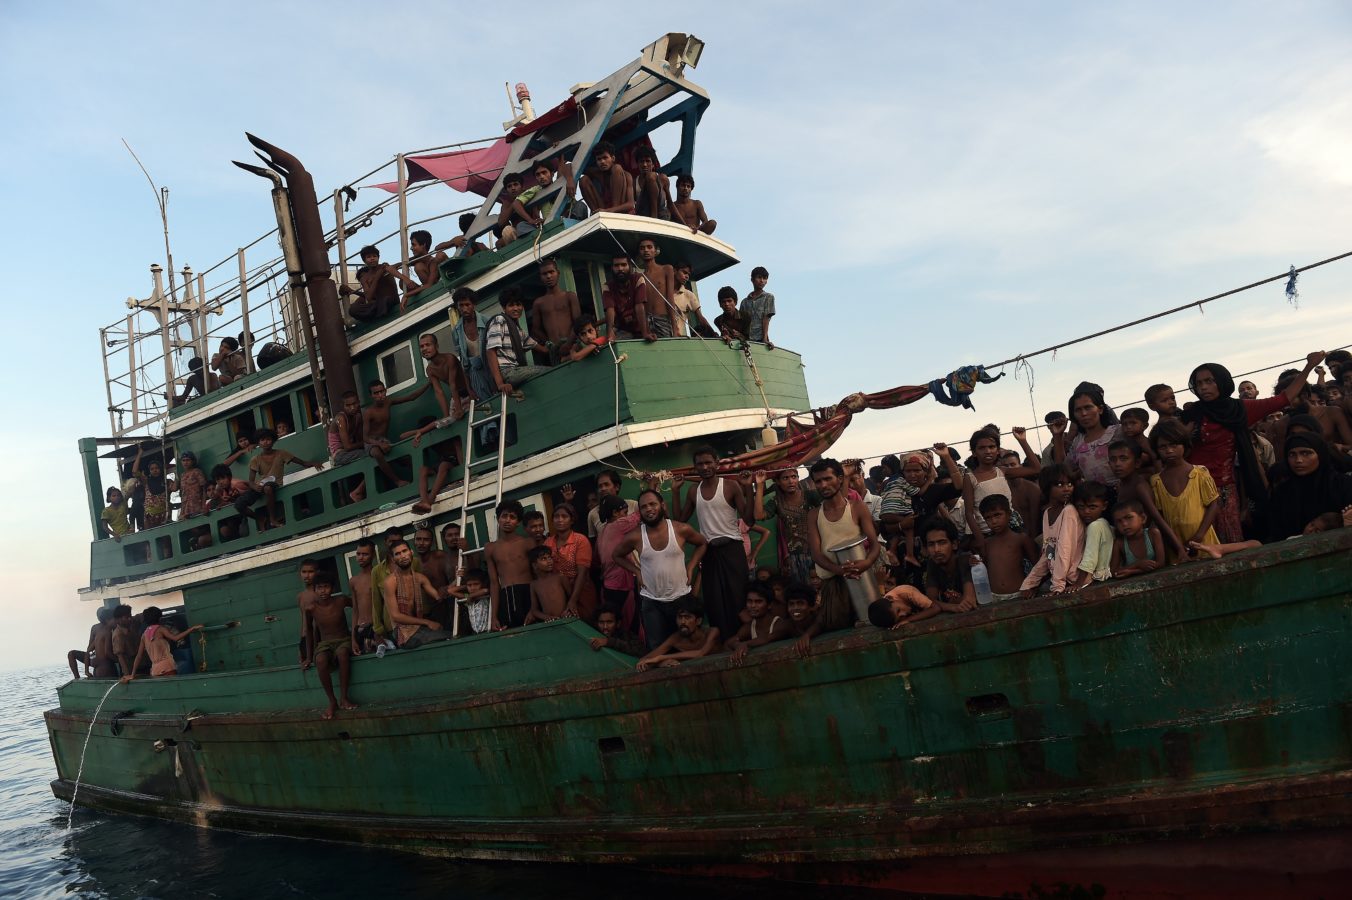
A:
(663, 572)
(837, 521)
(719, 503)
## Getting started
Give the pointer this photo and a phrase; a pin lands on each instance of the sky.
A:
(930, 185)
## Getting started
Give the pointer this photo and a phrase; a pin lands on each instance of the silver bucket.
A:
(864, 589)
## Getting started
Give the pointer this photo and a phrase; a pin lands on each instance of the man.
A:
(432, 562)
(661, 283)
(380, 614)
(625, 299)
(553, 314)
(405, 589)
(101, 650)
(718, 503)
(509, 573)
(505, 347)
(508, 218)
(663, 571)
(652, 189)
(376, 425)
(839, 521)
(86, 656)
(854, 481)
(362, 586)
(379, 292)
(309, 568)
(351, 431)
(608, 484)
(607, 187)
(445, 375)
(948, 578)
(691, 640)
(535, 526)
(790, 508)
(125, 638)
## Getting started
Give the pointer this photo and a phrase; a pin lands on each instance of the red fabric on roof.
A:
(471, 171)
(557, 114)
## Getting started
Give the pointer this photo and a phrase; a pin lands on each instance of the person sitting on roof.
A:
(689, 211)
(543, 172)
(505, 347)
(509, 220)
(652, 189)
(553, 313)
(625, 299)
(193, 383)
(607, 187)
(379, 291)
(424, 262)
(466, 222)
(229, 361)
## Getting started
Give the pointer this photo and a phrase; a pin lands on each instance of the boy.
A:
(608, 623)
(229, 361)
(379, 292)
(607, 187)
(125, 639)
(758, 308)
(535, 526)
(548, 596)
(363, 631)
(652, 189)
(543, 173)
(661, 281)
(474, 595)
(508, 218)
(948, 578)
(1005, 550)
(328, 616)
(505, 347)
(266, 471)
(553, 314)
(510, 573)
(1091, 502)
(802, 612)
(304, 600)
(690, 212)
(113, 521)
(588, 341)
(689, 318)
(1123, 459)
(732, 324)
(691, 640)
(762, 625)
(1160, 399)
(1134, 423)
(424, 262)
(900, 606)
(1139, 547)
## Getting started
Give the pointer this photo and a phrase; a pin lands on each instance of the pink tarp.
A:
(473, 171)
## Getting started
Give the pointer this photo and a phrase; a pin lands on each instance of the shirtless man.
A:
(376, 422)
(652, 189)
(363, 633)
(608, 187)
(327, 617)
(433, 562)
(379, 292)
(553, 313)
(105, 665)
(691, 640)
(425, 263)
(661, 279)
(689, 211)
(445, 375)
(305, 599)
(406, 591)
(509, 571)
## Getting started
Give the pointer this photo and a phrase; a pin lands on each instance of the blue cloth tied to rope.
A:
(956, 389)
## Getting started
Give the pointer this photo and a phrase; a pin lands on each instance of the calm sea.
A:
(123, 856)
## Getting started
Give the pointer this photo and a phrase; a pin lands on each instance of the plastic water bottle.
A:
(981, 580)
(380, 651)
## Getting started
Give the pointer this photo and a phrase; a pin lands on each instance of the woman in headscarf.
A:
(1313, 487)
(1220, 424)
(157, 489)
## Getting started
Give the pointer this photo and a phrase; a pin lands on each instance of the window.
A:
(309, 407)
(396, 368)
(586, 294)
(443, 336)
(279, 411)
(242, 424)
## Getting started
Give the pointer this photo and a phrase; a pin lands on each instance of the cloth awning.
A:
(471, 171)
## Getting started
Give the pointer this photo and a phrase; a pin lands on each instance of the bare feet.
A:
(331, 711)
(1210, 550)
(912, 561)
(347, 704)
(274, 523)
(358, 495)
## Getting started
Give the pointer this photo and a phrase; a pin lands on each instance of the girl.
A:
(1062, 533)
(1139, 546)
(1087, 455)
(192, 487)
(157, 489)
(157, 643)
(1185, 494)
(572, 560)
(986, 478)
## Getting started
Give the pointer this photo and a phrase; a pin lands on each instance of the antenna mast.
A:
(162, 201)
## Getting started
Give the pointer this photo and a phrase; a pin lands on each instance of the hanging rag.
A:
(956, 389)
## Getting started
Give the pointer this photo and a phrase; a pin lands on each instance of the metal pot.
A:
(864, 589)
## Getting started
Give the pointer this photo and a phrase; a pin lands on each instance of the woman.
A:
(1313, 488)
(1087, 455)
(468, 338)
(923, 496)
(1220, 425)
(157, 645)
(156, 490)
(572, 560)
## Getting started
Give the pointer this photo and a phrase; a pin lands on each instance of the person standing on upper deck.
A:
(468, 338)
(758, 307)
(718, 503)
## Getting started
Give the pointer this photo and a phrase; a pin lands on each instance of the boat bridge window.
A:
(586, 294)
(276, 411)
(396, 368)
(244, 424)
(309, 407)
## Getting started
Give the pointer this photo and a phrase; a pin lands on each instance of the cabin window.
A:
(396, 368)
(279, 411)
(164, 546)
(403, 467)
(308, 504)
(486, 437)
(582, 286)
(443, 333)
(309, 407)
(242, 424)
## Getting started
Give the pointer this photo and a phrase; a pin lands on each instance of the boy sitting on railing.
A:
(688, 211)
(266, 471)
(379, 293)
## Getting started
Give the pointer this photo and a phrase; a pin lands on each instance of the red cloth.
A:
(1216, 449)
(471, 171)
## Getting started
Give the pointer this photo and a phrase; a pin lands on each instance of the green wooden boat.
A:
(1187, 733)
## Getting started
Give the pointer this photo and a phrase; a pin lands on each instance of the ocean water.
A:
(125, 856)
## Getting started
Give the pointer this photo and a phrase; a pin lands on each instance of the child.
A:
(762, 627)
(113, 521)
(608, 623)
(379, 293)
(588, 341)
(688, 211)
(1091, 502)
(652, 189)
(690, 319)
(534, 523)
(1160, 399)
(802, 611)
(691, 640)
(192, 487)
(1123, 459)
(986, 478)
(1185, 494)
(900, 606)
(1004, 551)
(758, 308)
(266, 471)
(1134, 423)
(156, 643)
(732, 324)
(328, 615)
(548, 596)
(474, 595)
(1139, 547)
(1326, 522)
(1062, 535)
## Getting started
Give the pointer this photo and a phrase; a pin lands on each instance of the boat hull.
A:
(1080, 737)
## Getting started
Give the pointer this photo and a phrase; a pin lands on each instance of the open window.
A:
(397, 369)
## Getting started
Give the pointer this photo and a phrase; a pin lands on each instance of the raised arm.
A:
(1032, 463)
(682, 503)
(1298, 384)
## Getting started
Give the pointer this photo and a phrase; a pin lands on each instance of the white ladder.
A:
(471, 465)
